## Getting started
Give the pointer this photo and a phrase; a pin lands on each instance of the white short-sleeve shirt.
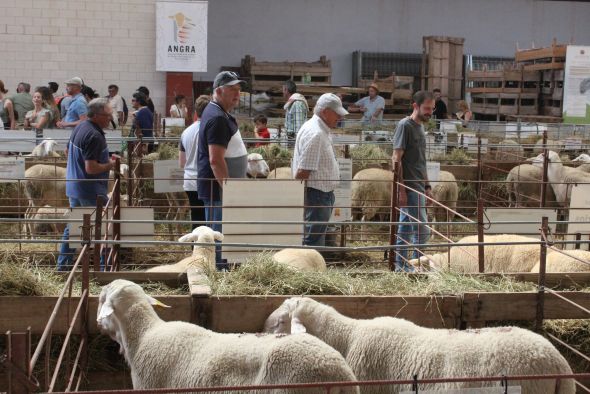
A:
(314, 152)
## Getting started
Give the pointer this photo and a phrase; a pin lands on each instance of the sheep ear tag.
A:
(297, 327)
(106, 310)
(154, 302)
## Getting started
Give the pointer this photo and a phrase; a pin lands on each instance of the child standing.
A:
(261, 131)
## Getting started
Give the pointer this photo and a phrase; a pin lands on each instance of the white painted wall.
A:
(106, 41)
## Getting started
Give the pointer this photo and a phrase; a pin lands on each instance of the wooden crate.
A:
(397, 90)
(270, 76)
(442, 67)
(548, 58)
(509, 80)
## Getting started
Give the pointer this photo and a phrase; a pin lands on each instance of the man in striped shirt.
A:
(315, 162)
(295, 109)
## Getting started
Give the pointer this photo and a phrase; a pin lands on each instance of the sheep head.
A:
(49, 146)
(584, 158)
(284, 320)
(257, 166)
(199, 232)
(539, 159)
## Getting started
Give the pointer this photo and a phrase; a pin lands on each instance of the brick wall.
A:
(103, 42)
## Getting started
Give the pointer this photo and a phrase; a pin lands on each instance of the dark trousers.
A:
(197, 209)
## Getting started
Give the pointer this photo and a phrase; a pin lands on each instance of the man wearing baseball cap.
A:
(314, 161)
(372, 106)
(221, 151)
(76, 107)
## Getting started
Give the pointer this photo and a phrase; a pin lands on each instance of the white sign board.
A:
(511, 215)
(268, 200)
(579, 212)
(574, 144)
(576, 87)
(173, 122)
(18, 140)
(114, 140)
(343, 193)
(470, 142)
(436, 145)
(449, 126)
(60, 136)
(515, 130)
(344, 139)
(181, 36)
(479, 390)
(129, 231)
(11, 169)
(433, 172)
(168, 176)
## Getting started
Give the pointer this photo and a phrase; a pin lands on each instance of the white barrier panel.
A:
(11, 169)
(18, 140)
(449, 126)
(168, 176)
(343, 193)
(532, 215)
(129, 231)
(436, 145)
(61, 136)
(343, 139)
(433, 172)
(470, 143)
(113, 138)
(514, 130)
(173, 122)
(579, 212)
(272, 200)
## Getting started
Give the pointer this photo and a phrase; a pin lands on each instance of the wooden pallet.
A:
(548, 58)
(504, 104)
(270, 76)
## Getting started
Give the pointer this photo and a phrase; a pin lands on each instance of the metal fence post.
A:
(545, 168)
(480, 247)
(542, 269)
(18, 346)
(394, 217)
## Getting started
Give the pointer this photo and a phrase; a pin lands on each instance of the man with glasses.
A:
(315, 162)
(221, 153)
(88, 167)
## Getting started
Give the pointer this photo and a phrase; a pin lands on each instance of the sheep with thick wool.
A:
(559, 262)
(497, 258)
(47, 212)
(509, 150)
(523, 186)
(562, 178)
(301, 259)
(387, 348)
(202, 258)
(445, 192)
(181, 355)
(257, 166)
(556, 146)
(371, 195)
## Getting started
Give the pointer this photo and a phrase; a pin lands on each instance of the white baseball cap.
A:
(331, 101)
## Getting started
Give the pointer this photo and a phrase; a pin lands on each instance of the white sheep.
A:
(509, 150)
(301, 259)
(202, 258)
(180, 355)
(281, 173)
(45, 149)
(44, 184)
(497, 258)
(559, 262)
(523, 186)
(446, 192)
(371, 195)
(561, 177)
(257, 166)
(47, 212)
(387, 348)
(585, 159)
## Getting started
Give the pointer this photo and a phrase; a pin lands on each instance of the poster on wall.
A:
(181, 36)
(576, 89)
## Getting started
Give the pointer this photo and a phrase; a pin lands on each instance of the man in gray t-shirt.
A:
(409, 151)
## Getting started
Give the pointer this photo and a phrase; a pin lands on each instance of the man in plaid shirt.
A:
(295, 109)
(314, 161)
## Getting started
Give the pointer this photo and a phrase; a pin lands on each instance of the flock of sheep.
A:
(308, 342)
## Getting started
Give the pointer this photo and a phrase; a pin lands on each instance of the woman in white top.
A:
(39, 116)
(178, 109)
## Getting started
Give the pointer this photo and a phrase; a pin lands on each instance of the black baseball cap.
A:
(227, 78)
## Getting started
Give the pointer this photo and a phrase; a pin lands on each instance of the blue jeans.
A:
(213, 212)
(66, 254)
(410, 232)
(318, 209)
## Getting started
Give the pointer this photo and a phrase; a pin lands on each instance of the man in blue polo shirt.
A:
(76, 106)
(221, 153)
(88, 167)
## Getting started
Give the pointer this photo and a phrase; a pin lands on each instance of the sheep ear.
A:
(297, 327)
(106, 310)
(191, 237)
(154, 302)
(217, 236)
